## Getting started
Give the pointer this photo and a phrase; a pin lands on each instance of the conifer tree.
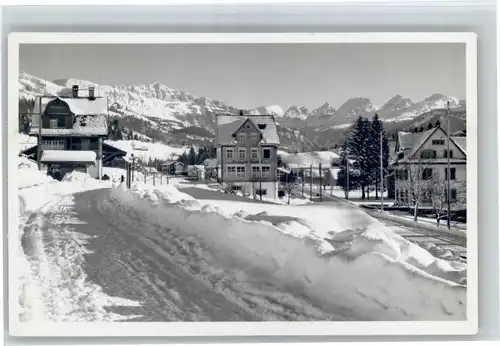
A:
(191, 157)
(358, 147)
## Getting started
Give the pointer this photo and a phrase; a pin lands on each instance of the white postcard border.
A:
(72, 329)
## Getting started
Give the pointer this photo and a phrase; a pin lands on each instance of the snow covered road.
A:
(137, 259)
(157, 254)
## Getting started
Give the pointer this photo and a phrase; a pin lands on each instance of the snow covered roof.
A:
(96, 125)
(170, 163)
(460, 142)
(210, 163)
(227, 125)
(90, 117)
(408, 140)
(410, 143)
(283, 170)
(80, 156)
(78, 106)
(196, 167)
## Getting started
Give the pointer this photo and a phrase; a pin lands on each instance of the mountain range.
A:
(157, 112)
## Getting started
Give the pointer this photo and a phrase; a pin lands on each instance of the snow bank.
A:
(50, 260)
(168, 193)
(364, 271)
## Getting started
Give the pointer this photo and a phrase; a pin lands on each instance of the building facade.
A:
(247, 151)
(421, 168)
(70, 132)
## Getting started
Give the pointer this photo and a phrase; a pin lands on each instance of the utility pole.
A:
(39, 148)
(347, 175)
(448, 192)
(381, 175)
(303, 178)
(320, 183)
(311, 181)
(132, 167)
(260, 170)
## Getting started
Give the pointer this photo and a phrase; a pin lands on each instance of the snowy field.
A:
(148, 150)
(309, 158)
(156, 253)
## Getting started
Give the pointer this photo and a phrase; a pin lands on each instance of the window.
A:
(242, 138)
(452, 173)
(261, 192)
(240, 171)
(453, 194)
(445, 153)
(255, 154)
(402, 196)
(254, 138)
(85, 144)
(53, 123)
(402, 174)
(229, 153)
(54, 144)
(428, 154)
(255, 171)
(266, 171)
(231, 170)
(438, 142)
(267, 153)
(242, 154)
(427, 174)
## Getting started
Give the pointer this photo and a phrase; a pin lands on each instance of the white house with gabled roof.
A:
(422, 157)
(247, 151)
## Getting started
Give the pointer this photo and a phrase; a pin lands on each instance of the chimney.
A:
(75, 91)
(91, 93)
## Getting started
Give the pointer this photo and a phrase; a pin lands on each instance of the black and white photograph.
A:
(243, 178)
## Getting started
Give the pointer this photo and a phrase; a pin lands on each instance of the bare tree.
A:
(254, 180)
(290, 185)
(246, 190)
(436, 194)
(419, 178)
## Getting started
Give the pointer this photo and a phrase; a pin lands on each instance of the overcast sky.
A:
(251, 75)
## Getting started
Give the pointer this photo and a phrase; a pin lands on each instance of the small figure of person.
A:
(122, 179)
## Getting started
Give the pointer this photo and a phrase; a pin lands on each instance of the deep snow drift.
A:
(362, 267)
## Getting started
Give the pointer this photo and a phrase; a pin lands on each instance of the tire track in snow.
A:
(166, 292)
(56, 257)
(266, 303)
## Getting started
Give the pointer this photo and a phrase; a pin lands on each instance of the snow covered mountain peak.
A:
(275, 110)
(324, 110)
(396, 103)
(299, 112)
(353, 108)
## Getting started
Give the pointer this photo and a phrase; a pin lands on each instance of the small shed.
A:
(212, 168)
(196, 172)
(173, 168)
